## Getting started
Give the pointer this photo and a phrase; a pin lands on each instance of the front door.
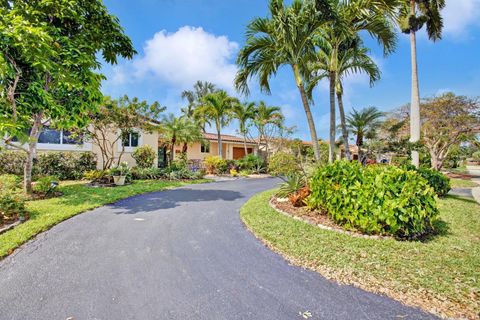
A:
(162, 157)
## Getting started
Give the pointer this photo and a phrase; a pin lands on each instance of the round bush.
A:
(215, 165)
(374, 199)
(144, 156)
(283, 164)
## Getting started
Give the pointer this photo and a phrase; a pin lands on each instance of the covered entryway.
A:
(239, 153)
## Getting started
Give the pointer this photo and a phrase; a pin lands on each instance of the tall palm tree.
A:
(351, 18)
(217, 107)
(286, 38)
(364, 124)
(414, 14)
(194, 98)
(244, 113)
(177, 130)
(265, 116)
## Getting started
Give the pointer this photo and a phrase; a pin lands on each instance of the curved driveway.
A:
(177, 254)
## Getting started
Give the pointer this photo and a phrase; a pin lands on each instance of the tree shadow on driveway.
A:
(170, 199)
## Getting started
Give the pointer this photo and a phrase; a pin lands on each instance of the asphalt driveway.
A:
(177, 254)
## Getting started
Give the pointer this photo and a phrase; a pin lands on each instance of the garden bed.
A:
(439, 275)
(316, 218)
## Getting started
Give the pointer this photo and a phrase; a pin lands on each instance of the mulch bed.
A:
(316, 218)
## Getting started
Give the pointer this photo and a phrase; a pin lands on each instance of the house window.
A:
(130, 139)
(205, 147)
(53, 136)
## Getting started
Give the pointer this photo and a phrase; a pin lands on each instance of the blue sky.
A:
(181, 41)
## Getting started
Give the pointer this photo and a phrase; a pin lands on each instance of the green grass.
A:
(77, 198)
(440, 275)
(460, 183)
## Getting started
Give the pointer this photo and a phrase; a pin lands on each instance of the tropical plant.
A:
(45, 185)
(285, 38)
(413, 15)
(144, 156)
(364, 124)
(375, 199)
(252, 163)
(194, 98)
(292, 184)
(340, 39)
(283, 164)
(50, 56)
(177, 130)
(217, 107)
(268, 121)
(215, 164)
(244, 113)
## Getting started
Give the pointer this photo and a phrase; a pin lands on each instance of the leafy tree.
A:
(364, 124)
(217, 107)
(286, 38)
(116, 119)
(179, 130)
(244, 113)
(49, 66)
(413, 15)
(194, 98)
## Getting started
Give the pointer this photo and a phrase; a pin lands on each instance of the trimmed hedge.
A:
(437, 180)
(64, 165)
(374, 199)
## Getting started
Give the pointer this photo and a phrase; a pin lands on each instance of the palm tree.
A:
(351, 17)
(176, 130)
(265, 116)
(194, 98)
(364, 124)
(244, 112)
(286, 38)
(414, 14)
(217, 107)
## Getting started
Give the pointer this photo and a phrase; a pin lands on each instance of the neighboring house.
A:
(60, 140)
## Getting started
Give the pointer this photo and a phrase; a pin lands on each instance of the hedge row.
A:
(63, 165)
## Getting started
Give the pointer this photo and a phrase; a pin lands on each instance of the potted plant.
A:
(120, 173)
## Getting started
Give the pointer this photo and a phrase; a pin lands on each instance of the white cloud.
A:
(459, 15)
(187, 55)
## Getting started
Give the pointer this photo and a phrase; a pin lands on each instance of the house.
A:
(52, 140)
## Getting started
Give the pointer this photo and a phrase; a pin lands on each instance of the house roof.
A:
(226, 138)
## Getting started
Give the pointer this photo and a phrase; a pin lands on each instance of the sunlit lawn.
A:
(440, 275)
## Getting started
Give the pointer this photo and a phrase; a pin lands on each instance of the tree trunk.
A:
(331, 149)
(172, 150)
(415, 102)
(245, 143)
(359, 144)
(344, 126)
(308, 113)
(219, 142)
(185, 147)
(32, 149)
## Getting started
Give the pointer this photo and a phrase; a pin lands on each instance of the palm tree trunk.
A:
(219, 141)
(415, 102)
(308, 113)
(344, 126)
(245, 143)
(331, 149)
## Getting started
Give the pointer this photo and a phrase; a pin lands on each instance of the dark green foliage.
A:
(64, 165)
(437, 180)
(292, 185)
(252, 163)
(147, 173)
(144, 156)
(375, 199)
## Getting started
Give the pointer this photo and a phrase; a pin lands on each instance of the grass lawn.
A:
(460, 183)
(441, 275)
(77, 198)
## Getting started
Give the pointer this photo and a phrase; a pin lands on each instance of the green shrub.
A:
(95, 175)
(252, 162)
(9, 182)
(374, 199)
(45, 185)
(64, 165)
(147, 173)
(144, 156)
(476, 156)
(437, 180)
(12, 162)
(283, 164)
(215, 165)
(12, 206)
(291, 185)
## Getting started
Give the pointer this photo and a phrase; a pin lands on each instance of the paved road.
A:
(178, 254)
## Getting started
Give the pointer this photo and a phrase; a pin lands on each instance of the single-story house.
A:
(60, 140)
